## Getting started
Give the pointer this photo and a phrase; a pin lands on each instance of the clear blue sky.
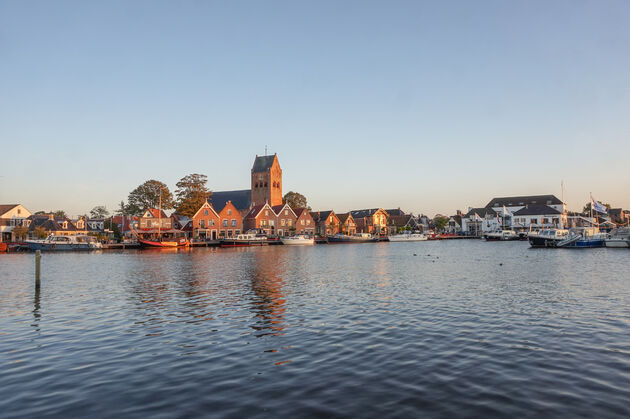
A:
(430, 106)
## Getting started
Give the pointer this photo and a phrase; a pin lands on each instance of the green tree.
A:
(148, 195)
(191, 193)
(295, 200)
(60, 213)
(112, 226)
(587, 208)
(99, 212)
(40, 232)
(19, 232)
(440, 222)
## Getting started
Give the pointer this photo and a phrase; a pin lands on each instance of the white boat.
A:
(619, 237)
(357, 238)
(408, 237)
(299, 240)
(52, 243)
(245, 239)
(501, 235)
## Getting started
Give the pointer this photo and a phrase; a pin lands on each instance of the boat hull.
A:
(50, 247)
(422, 238)
(242, 243)
(350, 240)
(298, 242)
(553, 243)
(618, 243)
(150, 244)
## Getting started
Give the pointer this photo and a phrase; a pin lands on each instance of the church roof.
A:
(263, 163)
(240, 199)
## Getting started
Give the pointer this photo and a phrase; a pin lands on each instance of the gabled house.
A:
(619, 216)
(536, 216)
(205, 223)
(372, 220)
(480, 220)
(231, 220)
(397, 223)
(304, 223)
(515, 203)
(326, 222)
(153, 219)
(347, 225)
(11, 216)
(285, 220)
(454, 225)
(59, 226)
(261, 218)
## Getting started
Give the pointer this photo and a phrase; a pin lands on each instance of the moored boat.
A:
(244, 239)
(64, 243)
(357, 238)
(619, 238)
(161, 244)
(575, 238)
(299, 240)
(408, 237)
(501, 235)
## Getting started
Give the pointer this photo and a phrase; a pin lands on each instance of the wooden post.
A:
(38, 258)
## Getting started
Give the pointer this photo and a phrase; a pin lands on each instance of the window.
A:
(205, 212)
(233, 223)
(289, 223)
(282, 222)
(308, 222)
(201, 224)
(225, 223)
(286, 212)
(229, 212)
(19, 211)
(266, 212)
(210, 223)
(302, 222)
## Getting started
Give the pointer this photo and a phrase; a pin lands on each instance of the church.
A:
(266, 187)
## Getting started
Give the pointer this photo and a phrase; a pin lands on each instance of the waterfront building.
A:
(397, 223)
(454, 225)
(59, 226)
(231, 220)
(261, 218)
(285, 220)
(304, 223)
(537, 216)
(480, 220)
(373, 220)
(619, 216)
(95, 225)
(347, 225)
(205, 223)
(12, 215)
(515, 203)
(154, 218)
(326, 222)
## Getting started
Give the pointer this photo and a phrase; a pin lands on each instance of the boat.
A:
(299, 240)
(619, 237)
(357, 238)
(57, 243)
(501, 235)
(244, 239)
(408, 237)
(579, 237)
(157, 244)
(547, 238)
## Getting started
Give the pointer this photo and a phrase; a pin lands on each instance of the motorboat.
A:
(408, 237)
(501, 235)
(356, 238)
(299, 240)
(56, 243)
(244, 239)
(547, 238)
(619, 237)
(579, 237)
(163, 243)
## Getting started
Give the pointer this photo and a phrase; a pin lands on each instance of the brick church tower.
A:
(266, 181)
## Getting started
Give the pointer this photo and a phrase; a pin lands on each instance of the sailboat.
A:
(159, 243)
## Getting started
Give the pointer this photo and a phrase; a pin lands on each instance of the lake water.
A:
(433, 329)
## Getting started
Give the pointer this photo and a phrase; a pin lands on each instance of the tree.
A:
(40, 232)
(440, 222)
(587, 208)
(99, 212)
(295, 200)
(113, 227)
(60, 213)
(148, 195)
(191, 194)
(20, 232)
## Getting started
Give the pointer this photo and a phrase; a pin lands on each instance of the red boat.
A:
(182, 242)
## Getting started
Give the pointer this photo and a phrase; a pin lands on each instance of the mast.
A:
(160, 214)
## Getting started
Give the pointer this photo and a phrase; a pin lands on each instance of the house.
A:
(326, 222)
(480, 220)
(231, 220)
(397, 223)
(285, 220)
(536, 216)
(262, 218)
(96, 225)
(126, 223)
(619, 215)
(347, 225)
(59, 226)
(153, 218)
(372, 220)
(205, 223)
(515, 203)
(12, 215)
(304, 223)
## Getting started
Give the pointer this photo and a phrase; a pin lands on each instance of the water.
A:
(366, 330)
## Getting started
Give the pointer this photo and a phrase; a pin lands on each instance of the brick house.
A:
(372, 220)
(262, 218)
(347, 225)
(304, 223)
(326, 222)
(205, 223)
(285, 220)
(231, 220)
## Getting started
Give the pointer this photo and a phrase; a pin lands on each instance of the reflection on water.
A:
(407, 329)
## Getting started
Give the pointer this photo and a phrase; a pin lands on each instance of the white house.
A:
(481, 220)
(534, 217)
(12, 215)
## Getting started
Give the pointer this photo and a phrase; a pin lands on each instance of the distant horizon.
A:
(430, 107)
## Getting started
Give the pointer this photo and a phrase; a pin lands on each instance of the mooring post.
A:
(38, 258)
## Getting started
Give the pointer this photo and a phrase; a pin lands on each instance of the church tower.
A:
(266, 181)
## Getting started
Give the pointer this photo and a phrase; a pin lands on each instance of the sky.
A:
(426, 106)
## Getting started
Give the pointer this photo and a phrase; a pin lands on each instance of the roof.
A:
(517, 201)
(482, 212)
(263, 163)
(396, 211)
(536, 210)
(44, 221)
(343, 217)
(457, 219)
(298, 211)
(256, 210)
(155, 213)
(399, 220)
(240, 199)
(7, 208)
(365, 212)
(615, 211)
(277, 209)
(321, 215)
